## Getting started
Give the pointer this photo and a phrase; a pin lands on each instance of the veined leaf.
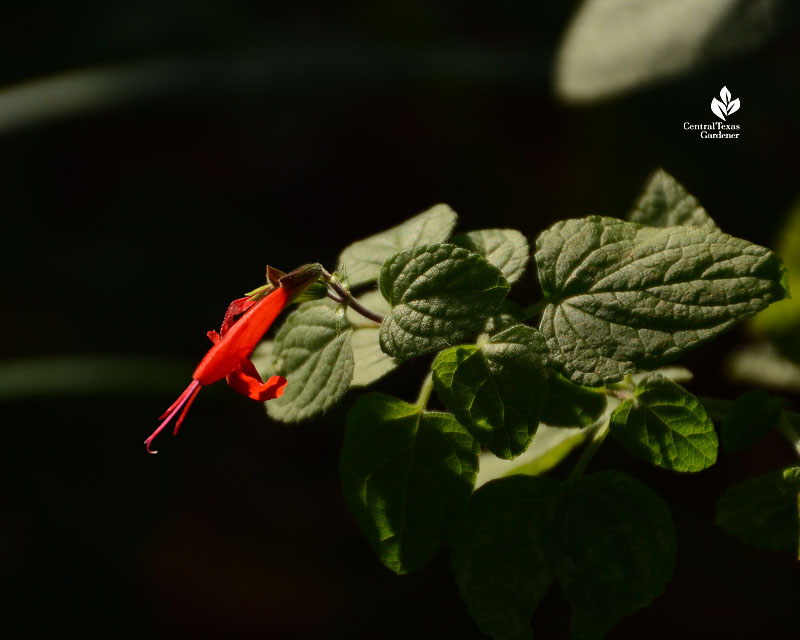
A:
(619, 553)
(496, 389)
(666, 425)
(313, 352)
(440, 294)
(665, 203)
(506, 249)
(362, 260)
(764, 511)
(569, 405)
(407, 476)
(608, 538)
(626, 296)
(749, 419)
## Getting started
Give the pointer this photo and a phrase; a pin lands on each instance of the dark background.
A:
(217, 137)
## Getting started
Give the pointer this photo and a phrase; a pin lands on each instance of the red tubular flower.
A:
(230, 356)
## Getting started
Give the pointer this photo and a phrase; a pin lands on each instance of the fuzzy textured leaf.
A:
(313, 352)
(440, 294)
(407, 476)
(764, 511)
(496, 389)
(666, 425)
(750, 418)
(665, 203)
(506, 249)
(608, 538)
(362, 260)
(626, 296)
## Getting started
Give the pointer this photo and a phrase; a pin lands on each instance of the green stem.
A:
(425, 392)
(535, 309)
(597, 439)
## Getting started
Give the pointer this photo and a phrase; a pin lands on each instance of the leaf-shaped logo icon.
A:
(733, 106)
(718, 108)
(725, 95)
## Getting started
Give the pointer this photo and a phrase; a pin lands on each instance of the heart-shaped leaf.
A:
(625, 296)
(440, 294)
(407, 476)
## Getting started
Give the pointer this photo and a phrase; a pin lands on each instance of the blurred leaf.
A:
(781, 322)
(406, 475)
(608, 538)
(440, 294)
(666, 425)
(506, 249)
(665, 203)
(614, 46)
(627, 297)
(111, 373)
(276, 66)
(751, 416)
(362, 260)
(762, 365)
(313, 351)
(765, 511)
(496, 389)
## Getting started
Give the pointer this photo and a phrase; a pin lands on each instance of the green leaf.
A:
(666, 425)
(615, 46)
(625, 296)
(781, 322)
(765, 511)
(371, 363)
(407, 476)
(506, 554)
(313, 352)
(570, 405)
(506, 249)
(496, 389)
(665, 203)
(619, 551)
(362, 260)
(440, 294)
(750, 418)
(550, 446)
(608, 538)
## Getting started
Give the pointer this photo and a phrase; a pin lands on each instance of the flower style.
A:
(246, 321)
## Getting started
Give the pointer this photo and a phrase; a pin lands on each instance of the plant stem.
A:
(535, 309)
(425, 391)
(597, 439)
(347, 298)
